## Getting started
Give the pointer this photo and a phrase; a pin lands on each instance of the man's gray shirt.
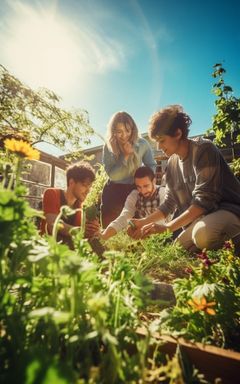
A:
(203, 179)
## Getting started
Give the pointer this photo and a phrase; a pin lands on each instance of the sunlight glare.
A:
(45, 50)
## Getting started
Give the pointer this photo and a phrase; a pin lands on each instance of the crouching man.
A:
(80, 177)
(141, 202)
(199, 183)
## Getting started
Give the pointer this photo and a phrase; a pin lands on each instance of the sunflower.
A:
(202, 305)
(22, 148)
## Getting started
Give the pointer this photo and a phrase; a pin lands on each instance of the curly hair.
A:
(80, 172)
(125, 119)
(167, 121)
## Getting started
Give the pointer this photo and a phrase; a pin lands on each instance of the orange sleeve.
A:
(51, 201)
(51, 204)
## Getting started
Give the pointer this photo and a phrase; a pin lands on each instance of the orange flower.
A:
(22, 148)
(202, 305)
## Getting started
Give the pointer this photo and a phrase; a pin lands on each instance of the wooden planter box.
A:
(212, 361)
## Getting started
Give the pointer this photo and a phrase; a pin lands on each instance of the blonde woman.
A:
(124, 152)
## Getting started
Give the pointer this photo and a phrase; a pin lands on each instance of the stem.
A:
(117, 310)
(18, 170)
(34, 269)
(4, 267)
(55, 225)
(1, 271)
(11, 181)
(205, 324)
(4, 178)
(140, 262)
(232, 141)
(83, 220)
(109, 271)
(74, 296)
(17, 173)
(118, 303)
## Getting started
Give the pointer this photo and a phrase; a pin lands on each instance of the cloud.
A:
(97, 52)
(40, 40)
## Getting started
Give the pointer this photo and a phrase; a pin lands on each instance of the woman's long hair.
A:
(125, 119)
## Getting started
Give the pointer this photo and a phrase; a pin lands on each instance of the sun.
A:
(42, 46)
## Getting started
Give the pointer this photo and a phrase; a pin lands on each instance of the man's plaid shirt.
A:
(136, 206)
(147, 205)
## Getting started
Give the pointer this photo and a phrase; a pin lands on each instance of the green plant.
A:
(65, 315)
(226, 121)
(207, 307)
(155, 256)
(176, 370)
(93, 200)
(36, 116)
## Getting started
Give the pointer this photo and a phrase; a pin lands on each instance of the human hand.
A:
(102, 235)
(127, 149)
(134, 228)
(152, 228)
(92, 229)
(138, 223)
(134, 233)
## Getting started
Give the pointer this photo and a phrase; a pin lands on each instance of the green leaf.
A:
(227, 89)
(91, 213)
(58, 316)
(206, 290)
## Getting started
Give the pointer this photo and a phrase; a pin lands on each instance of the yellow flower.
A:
(202, 305)
(22, 148)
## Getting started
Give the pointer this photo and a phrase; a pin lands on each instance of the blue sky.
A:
(133, 55)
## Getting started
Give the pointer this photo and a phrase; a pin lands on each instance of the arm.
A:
(141, 223)
(121, 222)
(155, 216)
(167, 206)
(187, 217)
(206, 193)
(109, 232)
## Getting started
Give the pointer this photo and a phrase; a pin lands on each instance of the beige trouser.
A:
(210, 231)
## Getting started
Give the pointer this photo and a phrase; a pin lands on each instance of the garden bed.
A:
(212, 361)
(69, 308)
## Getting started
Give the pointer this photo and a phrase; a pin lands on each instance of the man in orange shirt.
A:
(80, 177)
